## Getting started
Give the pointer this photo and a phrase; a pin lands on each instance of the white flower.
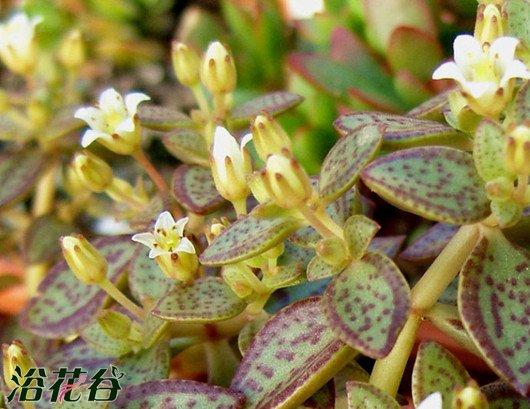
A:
(433, 401)
(485, 73)
(113, 122)
(18, 48)
(230, 165)
(167, 237)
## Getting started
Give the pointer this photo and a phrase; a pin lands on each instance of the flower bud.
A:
(500, 188)
(214, 230)
(121, 191)
(286, 182)
(115, 324)
(186, 63)
(13, 355)
(257, 187)
(517, 150)
(269, 137)
(491, 23)
(72, 51)
(86, 262)
(218, 73)
(241, 280)
(180, 266)
(94, 172)
(469, 397)
(332, 250)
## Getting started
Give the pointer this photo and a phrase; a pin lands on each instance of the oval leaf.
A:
(208, 299)
(436, 370)
(432, 108)
(488, 150)
(194, 188)
(148, 365)
(187, 145)
(290, 358)
(18, 173)
(65, 305)
(430, 244)
(273, 103)
(345, 161)
(493, 303)
(367, 304)
(365, 396)
(41, 240)
(437, 183)
(161, 118)
(359, 231)
(388, 245)
(519, 19)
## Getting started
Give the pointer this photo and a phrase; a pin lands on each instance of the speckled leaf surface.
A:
(520, 110)
(161, 118)
(187, 145)
(147, 282)
(208, 299)
(273, 103)
(436, 370)
(318, 269)
(64, 305)
(247, 333)
(437, 183)
(147, 365)
(170, 393)
(432, 108)
(285, 276)
(488, 150)
(365, 396)
(506, 213)
(344, 162)
(41, 240)
(101, 342)
(290, 358)
(248, 237)
(429, 244)
(502, 396)
(519, 19)
(401, 131)
(493, 301)
(388, 245)
(78, 354)
(367, 304)
(194, 188)
(359, 231)
(18, 173)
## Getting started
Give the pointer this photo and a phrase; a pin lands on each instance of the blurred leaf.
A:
(161, 118)
(429, 244)
(147, 365)
(432, 108)
(41, 240)
(388, 245)
(507, 213)
(324, 398)
(363, 395)
(502, 396)
(272, 103)
(519, 19)
(187, 145)
(519, 113)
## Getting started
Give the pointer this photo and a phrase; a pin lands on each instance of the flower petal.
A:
(185, 246)
(516, 69)
(433, 401)
(91, 135)
(157, 251)
(92, 116)
(502, 50)
(111, 101)
(467, 50)
(448, 70)
(164, 222)
(147, 239)
(480, 89)
(179, 226)
(127, 125)
(132, 100)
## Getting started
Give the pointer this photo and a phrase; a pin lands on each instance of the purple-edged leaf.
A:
(344, 162)
(64, 305)
(502, 396)
(437, 183)
(432, 108)
(388, 245)
(101, 342)
(250, 236)
(520, 110)
(147, 282)
(208, 299)
(402, 131)
(18, 173)
(285, 276)
(153, 328)
(359, 231)
(401, 56)
(144, 220)
(493, 303)
(367, 304)
(78, 354)
(290, 358)
(273, 103)
(436, 370)
(162, 119)
(248, 332)
(488, 150)
(171, 393)
(147, 365)
(324, 398)
(187, 145)
(194, 188)
(41, 240)
(286, 296)
(430, 244)
(450, 294)
(318, 269)
(365, 396)
(519, 19)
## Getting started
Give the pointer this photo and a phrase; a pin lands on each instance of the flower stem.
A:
(151, 171)
(321, 222)
(45, 192)
(200, 98)
(240, 206)
(115, 293)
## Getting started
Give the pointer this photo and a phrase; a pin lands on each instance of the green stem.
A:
(240, 206)
(200, 98)
(219, 106)
(115, 293)
(321, 222)
(45, 192)
(151, 171)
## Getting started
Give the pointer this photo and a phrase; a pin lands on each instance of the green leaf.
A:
(403, 132)
(502, 396)
(324, 398)
(432, 108)
(290, 358)
(285, 276)
(101, 342)
(519, 112)
(488, 150)
(506, 213)
(161, 118)
(148, 365)
(77, 354)
(208, 299)
(41, 240)
(359, 231)
(177, 394)
(65, 305)
(272, 103)
(436, 370)
(493, 304)
(437, 183)
(194, 188)
(519, 19)
(367, 304)
(365, 396)
(250, 236)
(429, 244)
(318, 269)
(18, 173)
(187, 145)
(344, 162)
(247, 333)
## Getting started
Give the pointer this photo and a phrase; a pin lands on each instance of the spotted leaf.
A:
(194, 188)
(318, 269)
(187, 145)
(208, 299)
(365, 396)
(519, 19)
(488, 150)
(41, 240)
(290, 358)
(344, 162)
(147, 365)
(520, 111)
(493, 303)
(367, 304)
(436, 370)
(162, 119)
(502, 396)
(437, 183)
(429, 244)
(359, 231)
(273, 103)
(18, 173)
